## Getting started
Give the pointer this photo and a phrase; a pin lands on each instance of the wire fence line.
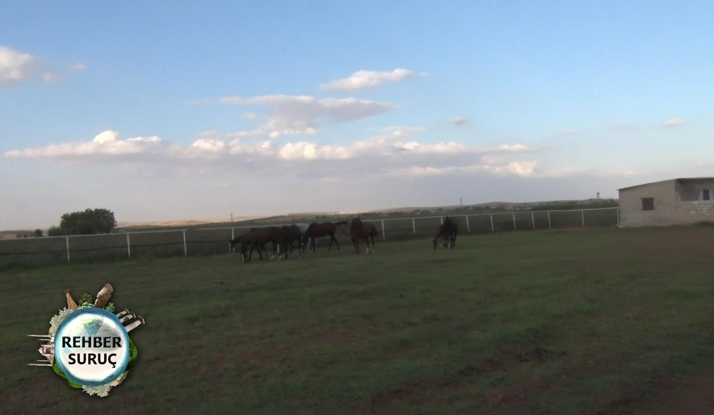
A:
(207, 241)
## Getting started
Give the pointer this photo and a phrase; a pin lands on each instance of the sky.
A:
(178, 110)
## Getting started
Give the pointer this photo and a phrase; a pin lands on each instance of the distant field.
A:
(207, 240)
(593, 321)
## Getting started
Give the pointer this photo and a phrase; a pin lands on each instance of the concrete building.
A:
(669, 202)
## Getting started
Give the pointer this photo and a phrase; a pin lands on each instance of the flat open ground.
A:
(545, 322)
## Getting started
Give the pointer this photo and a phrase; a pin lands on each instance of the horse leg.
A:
(366, 242)
(274, 250)
(330, 247)
(355, 243)
(335, 239)
(373, 246)
(313, 242)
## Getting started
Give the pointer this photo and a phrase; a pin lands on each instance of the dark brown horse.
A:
(238, 241)
(360, 230)
(317, 230)
(258, 237)
(449, 229)
(289, 234)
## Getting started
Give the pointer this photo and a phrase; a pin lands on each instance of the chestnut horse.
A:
(316, 230)
(238, 241)
(360, 230)
(258, 237)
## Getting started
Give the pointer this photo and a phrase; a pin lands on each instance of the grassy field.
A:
(550, 322)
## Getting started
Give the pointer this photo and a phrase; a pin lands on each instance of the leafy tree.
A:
(54, 231)
(37, 233)
(89, 221)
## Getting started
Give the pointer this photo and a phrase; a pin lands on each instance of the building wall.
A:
(690, 191)
(668, 207)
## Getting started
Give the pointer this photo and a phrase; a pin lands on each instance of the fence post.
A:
(514, 222)
(384, 234)
(442, 220)
(468, 227)
(233, 235)
(549, 227)
(414, 226)
(128, 246)
(582, 214)
(618, 217)
(185, 248)
(533, 220)
(66, 238)
(492, 228)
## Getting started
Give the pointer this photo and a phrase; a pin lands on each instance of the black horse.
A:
(317, 230)
(288, 235)
(449, 229)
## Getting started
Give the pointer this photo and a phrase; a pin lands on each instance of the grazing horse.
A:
(235, 241)
(448, 232)
(239, 241)
(360, 230)
(316, 230)
(259, 237)
(289, 234)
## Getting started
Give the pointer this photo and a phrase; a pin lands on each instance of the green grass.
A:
(552, 322)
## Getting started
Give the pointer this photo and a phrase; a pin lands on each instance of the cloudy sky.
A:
(165, 111)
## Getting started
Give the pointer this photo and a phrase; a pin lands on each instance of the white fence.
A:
(206, 241)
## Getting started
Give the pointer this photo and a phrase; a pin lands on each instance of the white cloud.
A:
(209, 145)
(393, 151)
(79, 66)
(673, 122)
(106, 145)
(366, 79)
(17, 67)
(249, 116)
(298, 114)
(515, 168)
(458, 121)
(108, 135)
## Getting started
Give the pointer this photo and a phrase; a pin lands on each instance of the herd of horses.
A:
(283, 238)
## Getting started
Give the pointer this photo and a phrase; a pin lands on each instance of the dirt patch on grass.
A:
(692, 396)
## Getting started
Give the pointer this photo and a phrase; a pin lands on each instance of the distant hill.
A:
(344, 215)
